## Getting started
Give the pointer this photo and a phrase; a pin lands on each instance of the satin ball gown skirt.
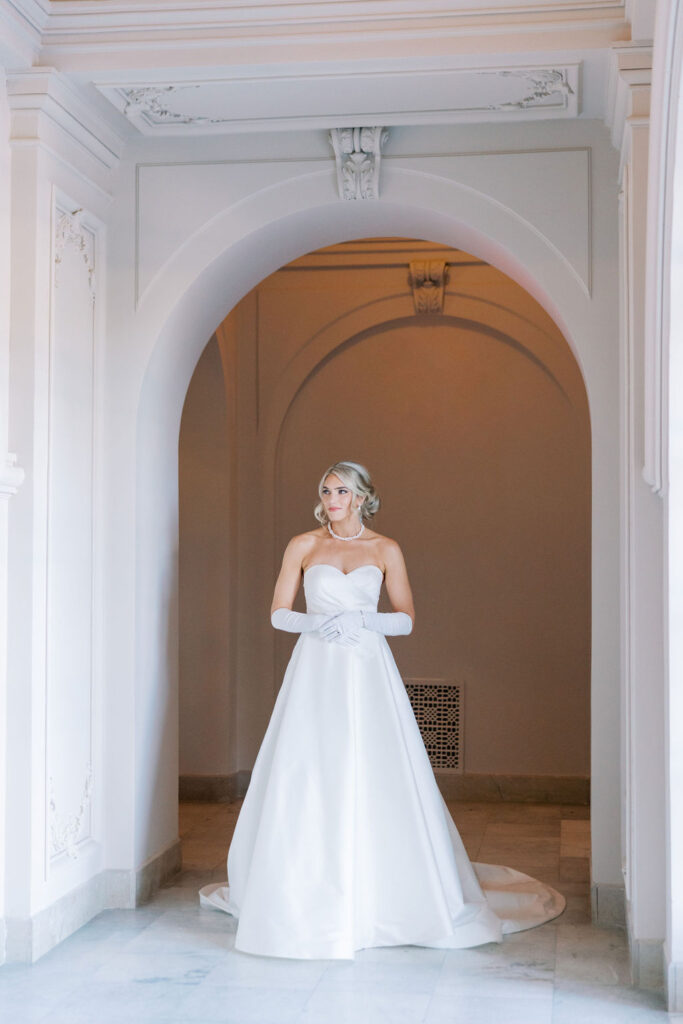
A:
(344, 840)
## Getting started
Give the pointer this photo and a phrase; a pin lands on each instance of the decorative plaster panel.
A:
(69, 672)
(66, 831)
(69, 233)
(246, 102)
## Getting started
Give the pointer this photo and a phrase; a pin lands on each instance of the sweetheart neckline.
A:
(366, 565)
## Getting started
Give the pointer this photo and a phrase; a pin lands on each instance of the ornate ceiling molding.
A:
(241, 101)
(428, 281)
(539, 85)
(151, 104)
(89, 26)
(358, 152)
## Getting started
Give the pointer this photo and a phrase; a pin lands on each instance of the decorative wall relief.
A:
(65, 830)
(428, 281)
(11, 476)
(69, 233)
(151, 106)
(358, 153)
(541, 87)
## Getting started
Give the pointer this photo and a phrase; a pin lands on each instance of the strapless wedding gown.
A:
(344, 840)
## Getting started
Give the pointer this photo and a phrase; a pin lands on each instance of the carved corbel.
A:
(358, 152)
(428, 281)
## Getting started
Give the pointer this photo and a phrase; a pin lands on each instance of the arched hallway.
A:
(155, 167)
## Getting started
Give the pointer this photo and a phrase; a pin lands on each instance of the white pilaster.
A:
(665, 327)
(642, 669)
(60, 163)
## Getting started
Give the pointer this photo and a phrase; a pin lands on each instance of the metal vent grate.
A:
(438, 708)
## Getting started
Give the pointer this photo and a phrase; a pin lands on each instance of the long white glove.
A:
(348, 623)
(389, 623)
(297, 622)
(307, 622)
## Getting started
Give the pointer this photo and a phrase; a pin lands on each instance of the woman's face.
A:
(337, 499)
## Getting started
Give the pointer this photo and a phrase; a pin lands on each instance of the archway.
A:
(210, 274)
(475, 417)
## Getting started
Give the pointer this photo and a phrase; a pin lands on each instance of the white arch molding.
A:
(194, 292)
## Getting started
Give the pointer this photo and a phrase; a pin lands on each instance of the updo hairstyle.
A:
(357, 479)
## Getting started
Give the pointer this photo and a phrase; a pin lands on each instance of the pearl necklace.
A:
(352, 537)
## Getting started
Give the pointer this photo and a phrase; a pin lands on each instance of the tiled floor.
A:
(172, 961)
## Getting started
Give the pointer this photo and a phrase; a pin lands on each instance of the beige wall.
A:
(475, 427)
(205, 679)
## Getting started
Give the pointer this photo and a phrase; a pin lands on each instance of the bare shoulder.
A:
(389, 551)
(302, 543)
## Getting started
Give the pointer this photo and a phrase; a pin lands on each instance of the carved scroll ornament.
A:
(358, 152)
(428, 281)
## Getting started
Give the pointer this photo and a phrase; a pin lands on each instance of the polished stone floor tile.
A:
(575, 1002)
(247, 971)
(596, 956)
(365, 975)
(233, 1004)
(369, 1004)
(174, 962)
(483, 1008)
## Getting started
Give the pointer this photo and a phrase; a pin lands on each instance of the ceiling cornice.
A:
(77, 35)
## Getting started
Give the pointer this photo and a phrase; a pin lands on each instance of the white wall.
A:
(10, 477)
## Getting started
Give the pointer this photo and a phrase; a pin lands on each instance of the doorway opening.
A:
(467, 404)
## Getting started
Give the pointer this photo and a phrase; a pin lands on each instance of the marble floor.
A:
(172, 961)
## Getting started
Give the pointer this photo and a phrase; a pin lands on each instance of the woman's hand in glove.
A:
(343, 625)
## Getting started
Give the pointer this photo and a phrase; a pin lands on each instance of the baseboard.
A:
(157, 870)
(213, 789)
(29, 939)
(647, 963)
(673, 973)
(540, 789)
(608, 903)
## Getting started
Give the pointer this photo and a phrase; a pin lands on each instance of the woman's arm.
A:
(281, 614)
(287, 583)
(396, 581)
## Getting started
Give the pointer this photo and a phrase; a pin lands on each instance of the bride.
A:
(343, 840)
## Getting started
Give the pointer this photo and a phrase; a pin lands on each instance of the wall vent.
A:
(438, 708)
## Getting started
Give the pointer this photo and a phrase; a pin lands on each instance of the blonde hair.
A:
(357, 479)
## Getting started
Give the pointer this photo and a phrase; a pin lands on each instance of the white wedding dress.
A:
(343, 840)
